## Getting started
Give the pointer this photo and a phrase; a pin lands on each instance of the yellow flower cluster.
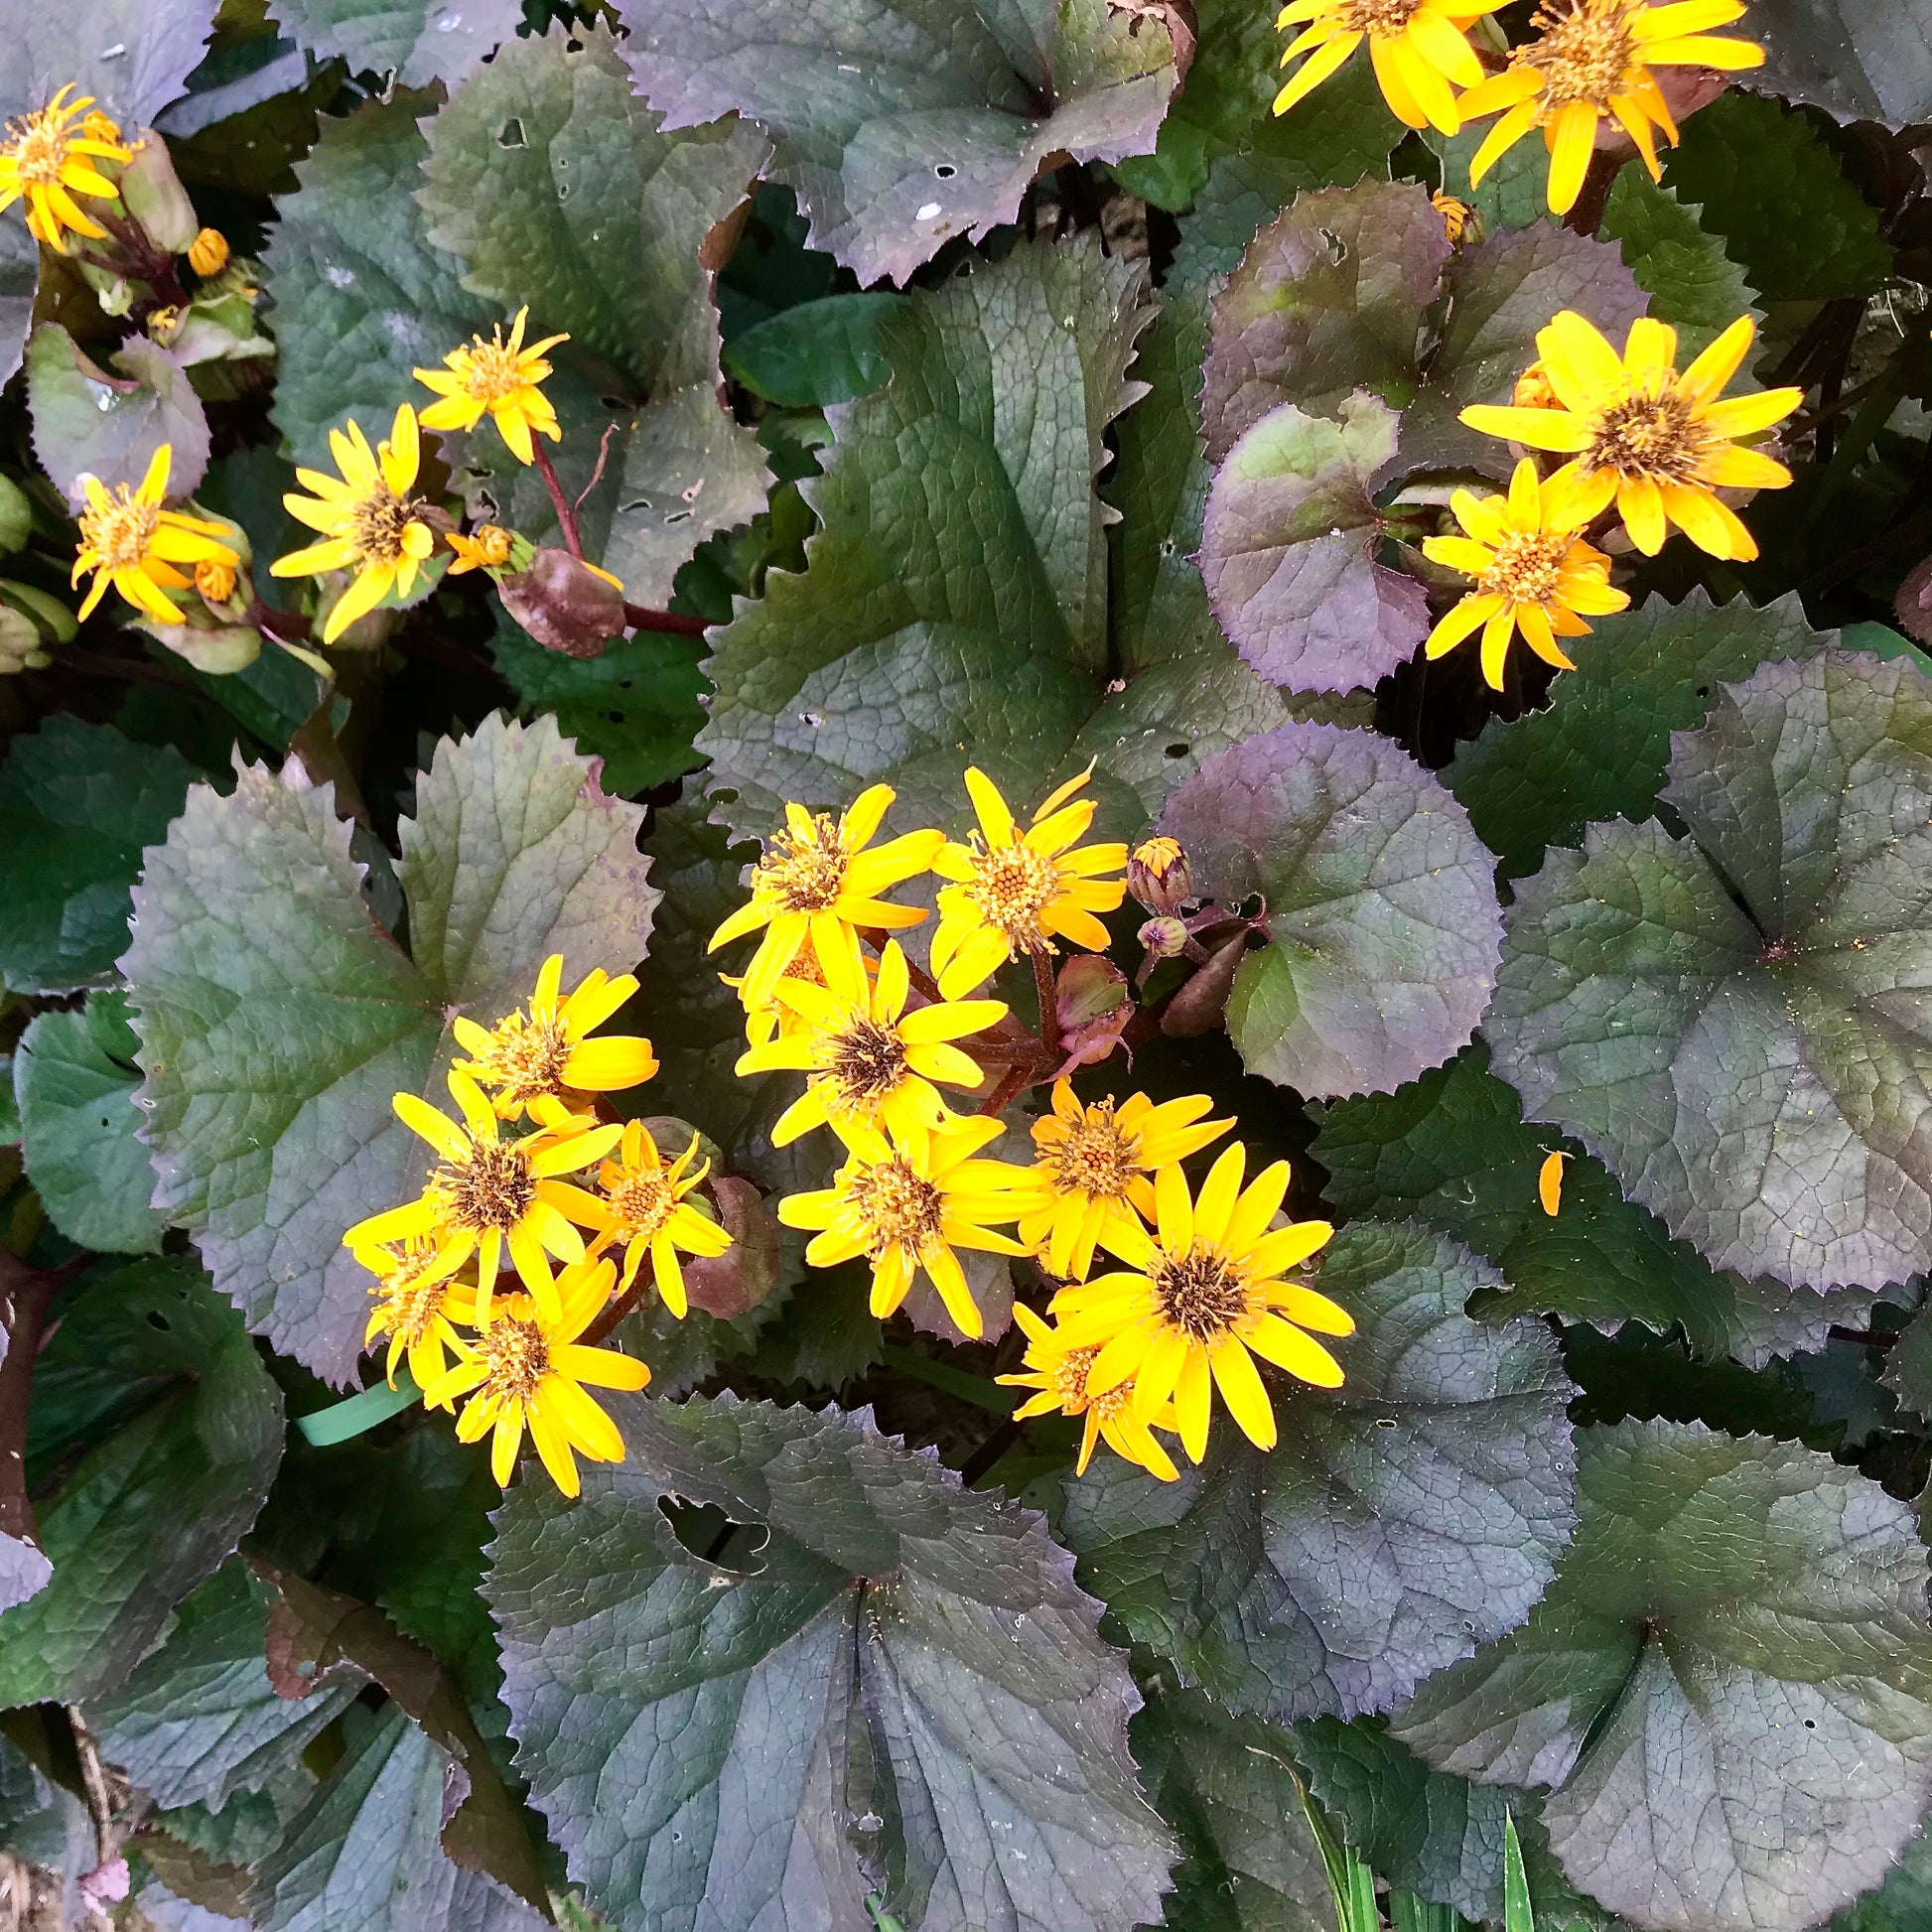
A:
(831, 995)
(528, 1174)
(46, 161)
(1590, 62)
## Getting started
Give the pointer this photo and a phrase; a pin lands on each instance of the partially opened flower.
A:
(1534, 574)
(527, 1369)
(642, 1208)
(523, 1058)
(1591, 61)
(1016, 891)
(1420, 50)
(129, 540)
(868, 1059)
(1657, 442)
(369, 520)
(1202, 1297)
(816, 877)
(907, 1206)
(498, 380)
(487, 547)
(417, 1303)
(44, 159)
(1092, 1173)
(1059, 1374)
(488, 1195)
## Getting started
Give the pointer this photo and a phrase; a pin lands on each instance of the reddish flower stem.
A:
(566, 511)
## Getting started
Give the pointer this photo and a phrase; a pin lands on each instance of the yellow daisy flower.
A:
(1418, 47)
(1534, 574)
(1591, 61)
(817, 877)
(868, 1059)
(1059, 1374)
(774, 1019)
(486, 547)
(500, 379)
(45, 159)
(1014, 891)
(907, 1206)
(642, 1205)
(1091, 1171)
(488, 1195)
(1659, 442)
(417, 1305)
(1203, 1297)
(523, 1059)
(128, 540)
(369, 520)
(527, 1368)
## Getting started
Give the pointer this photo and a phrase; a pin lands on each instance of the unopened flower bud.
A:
(215, 580)
(1158, 876)
(1533, 390)
(1164, 937)
(102, 127)
(1461, 221)
(154, 196)
(208, 253)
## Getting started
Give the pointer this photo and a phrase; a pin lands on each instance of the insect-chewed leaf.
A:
(92, 422)
(1602, 749)
(78, 802)
(1858, 62)
(1452, 1150)
(1729, 1686)
(1381, 908)
(142, 1513)
(200, 1719)
(1692, 284)
(555, 186)
(1404, 1518)
(1717, 1017)
(899, 126)
(277, 1018)
(1288, 550)
(415, 41)
(917, 634)
(886, 1682)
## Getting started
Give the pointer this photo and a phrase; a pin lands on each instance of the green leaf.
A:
(1692, 284)
(1727, 1687)
(1453, 1151)
(20, 274)
(1603, 747)
(1513, 193)
(1717, 1017)
(1858, 62)
(414, 42)
(899, 125)
(365, 1855)
(90, 422)
(78, 802)
(132, 55)
(555, 186)
(1230, 1788)
(145, 1509)
(814, 353)
(1766, 180)
(277, 1020)
(1908, 1367)
(919, 640)
(1381, 909)
(1402, 1520)
(885, 1683)
(361, 295)
(200, 1720)
(74, 1078)
(1288, 550)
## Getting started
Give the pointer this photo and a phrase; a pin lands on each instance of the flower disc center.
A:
(1586, 51)
(37, 144)
(867, 1061)
(1095, 1156)
(493, 1189)
(1647, 436)
(897, 1206)
(1199, 1294)
(517, 1355)
(805, 875)
(1382, 17)
(379, 521)
(1527, 567)
(642, 1201)
(1013, 885)
(122, 531)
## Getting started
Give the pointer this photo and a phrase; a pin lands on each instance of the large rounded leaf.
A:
(1729, 1686)
(1727, 1019)
(1381, 909)
(1413, 1514)
(1860, 61)
(885, 1682)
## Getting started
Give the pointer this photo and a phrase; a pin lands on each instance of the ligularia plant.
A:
(961, 967)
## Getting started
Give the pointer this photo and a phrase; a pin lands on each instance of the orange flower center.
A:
(489, 371)
(122, 531)
(38, 145)
(525, 1058)
(1586, 51)
(1013, 885)
(515, 1356)
(1526, 566)
(378, 522)
(866, 1061)
(1199, 1294)
(1071, 1387)
(493, 1189)
(1095, 1156)
(643, 1200)
(897, 1206)
(1648, 435)
(412, 1299)
(215, 580)
(805, 875)
(1385, 18)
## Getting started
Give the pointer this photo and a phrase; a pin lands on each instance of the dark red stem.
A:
(566, 511)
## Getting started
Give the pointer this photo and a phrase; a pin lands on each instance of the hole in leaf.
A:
(511, 135)
(714, 1538)
(945, 171)
(156, 1319)
(1179, 751)
(1336, 247)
